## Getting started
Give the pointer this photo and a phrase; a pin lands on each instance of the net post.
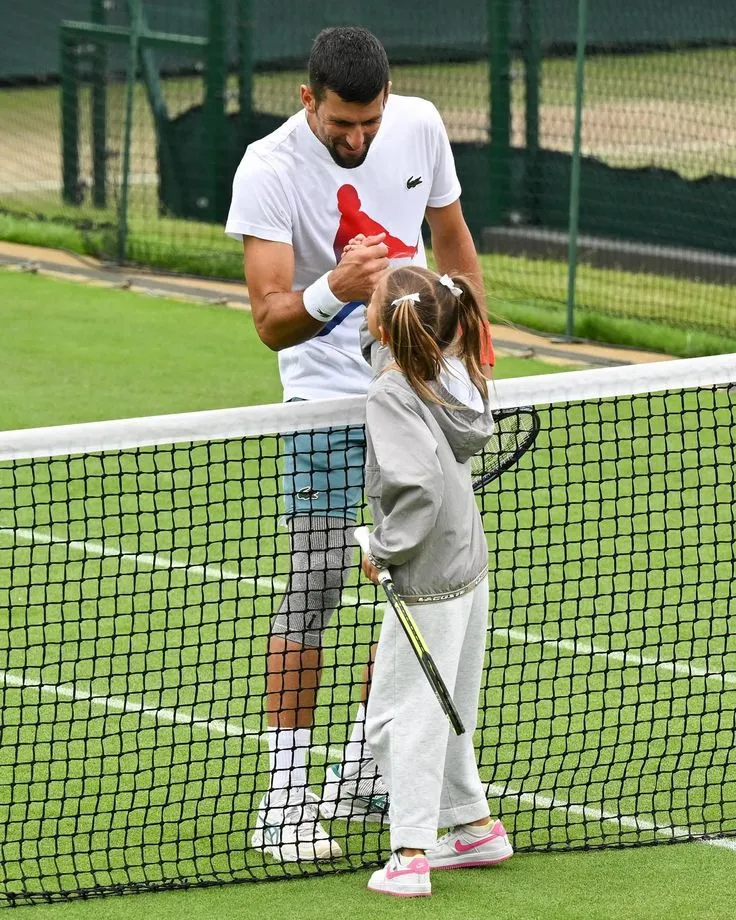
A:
(69, 117)
(499, 24)
(574, 207)
(99, 111)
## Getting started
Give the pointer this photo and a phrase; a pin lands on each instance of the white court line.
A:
(227, 728)
(157, 714)
(597, 814)
(727, 843)
(156, 561)
(587, 811)
(587, 648)
(221, 573)
(222, 727)
(160, 561)
(153, 560)
(678, 668)
(118, 704)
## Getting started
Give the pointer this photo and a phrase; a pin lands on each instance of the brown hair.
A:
(421, 334)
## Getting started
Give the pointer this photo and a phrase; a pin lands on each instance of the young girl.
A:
(427, 413)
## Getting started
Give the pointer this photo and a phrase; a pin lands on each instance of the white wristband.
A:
(320, 302)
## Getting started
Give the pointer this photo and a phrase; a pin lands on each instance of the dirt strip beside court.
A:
(508, 340)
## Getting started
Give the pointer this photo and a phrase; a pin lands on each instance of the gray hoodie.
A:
(427, 527)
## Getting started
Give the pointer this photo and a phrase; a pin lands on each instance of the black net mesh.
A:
(139, 585)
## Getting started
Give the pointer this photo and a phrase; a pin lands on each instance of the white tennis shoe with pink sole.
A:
(403, 878)
(464, 847)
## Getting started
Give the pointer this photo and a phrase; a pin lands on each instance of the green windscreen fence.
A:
(657, 182)
(124, 121)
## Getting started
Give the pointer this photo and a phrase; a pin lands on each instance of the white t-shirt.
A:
(456, 380)
(288, 189)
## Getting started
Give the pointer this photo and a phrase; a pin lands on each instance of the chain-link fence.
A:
(123, 122)
(657, 190)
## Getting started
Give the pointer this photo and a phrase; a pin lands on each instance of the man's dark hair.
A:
(351, 62)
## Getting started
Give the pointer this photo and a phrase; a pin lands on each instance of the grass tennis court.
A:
(181, 628)
(81, 353)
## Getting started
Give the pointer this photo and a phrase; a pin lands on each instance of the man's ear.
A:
(308, 98)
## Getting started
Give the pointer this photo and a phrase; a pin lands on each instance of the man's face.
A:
(347, 129)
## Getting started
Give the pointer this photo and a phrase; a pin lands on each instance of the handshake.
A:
(364, 260)
(360, 240)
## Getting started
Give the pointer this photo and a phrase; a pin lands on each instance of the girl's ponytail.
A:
(471, 323)
(414, 347)
(428, 318)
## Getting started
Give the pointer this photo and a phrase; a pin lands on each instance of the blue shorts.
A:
(323, 472)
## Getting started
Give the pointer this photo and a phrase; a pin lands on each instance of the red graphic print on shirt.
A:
(354, 221)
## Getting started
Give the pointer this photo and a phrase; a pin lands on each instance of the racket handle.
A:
(361, 535)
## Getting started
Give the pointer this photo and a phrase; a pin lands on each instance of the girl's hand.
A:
(353, 243)
(369, 570)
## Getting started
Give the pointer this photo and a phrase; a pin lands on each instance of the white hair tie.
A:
(447, 281)
(414, 298)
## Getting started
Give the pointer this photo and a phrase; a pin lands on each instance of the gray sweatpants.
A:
(431, 772)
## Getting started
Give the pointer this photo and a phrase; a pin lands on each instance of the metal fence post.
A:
(499, 25)
(572, 252)
(532, 44)
(245, 68)
(99, 111)
(135, 32)
(214, 105)
(159, 110)
(69, 119)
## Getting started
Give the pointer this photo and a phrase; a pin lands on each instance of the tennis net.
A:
(141, 562)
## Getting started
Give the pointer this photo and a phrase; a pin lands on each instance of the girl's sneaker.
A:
(467, 846)
(404, 878)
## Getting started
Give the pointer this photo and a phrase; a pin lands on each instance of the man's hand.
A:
(369, 570)
(360, 269)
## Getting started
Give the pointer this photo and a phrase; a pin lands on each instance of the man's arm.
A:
(454, 252)
(280, 317)
(453, 246)
(278, 312)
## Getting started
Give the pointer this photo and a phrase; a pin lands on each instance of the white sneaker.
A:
(403, 878)
(462, 847)
(289, 831)
(358, 795)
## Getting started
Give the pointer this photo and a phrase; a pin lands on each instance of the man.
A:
(353, 161)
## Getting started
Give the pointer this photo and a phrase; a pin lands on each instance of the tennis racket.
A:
(416, 640)
(514, 433)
